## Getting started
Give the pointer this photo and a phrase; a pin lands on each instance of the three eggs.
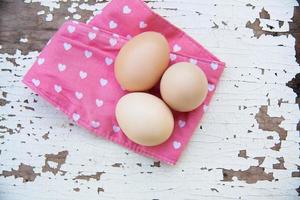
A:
(140, 65)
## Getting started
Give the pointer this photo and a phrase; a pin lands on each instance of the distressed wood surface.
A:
(246, 147)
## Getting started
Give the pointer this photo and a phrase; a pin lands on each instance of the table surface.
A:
(246, 147)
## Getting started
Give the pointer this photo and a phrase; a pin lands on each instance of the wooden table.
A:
(247, 146)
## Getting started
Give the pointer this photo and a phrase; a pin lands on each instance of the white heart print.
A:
(205, 108)
(214, 66)
(88, 54)
(116, 128)
(95, 28)
(78, 95)
(67, 46)
(71, 29)
(103, 82)
(113, 24)
(128, 37)
(95, 124)
(41, 61)
(92, 35)
(99, 103)
(181, 123)
(36, 82)
(76, 117)
(173, 57)
(83, 74)
(126, 10)
(143, 24)
(193, 61)
(108, 61)
(176, 48)
(57, 88)
(113, 41)
(211, 87)
(61, 67)
(176, 145)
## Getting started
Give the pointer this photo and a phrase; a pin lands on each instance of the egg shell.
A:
(144, 118)
(142, 61)
(184, 86)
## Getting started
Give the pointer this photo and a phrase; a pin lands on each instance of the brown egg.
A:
(184, 86)
(142, 61)
(144, 118)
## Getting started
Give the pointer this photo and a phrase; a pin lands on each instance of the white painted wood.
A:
(198, 174)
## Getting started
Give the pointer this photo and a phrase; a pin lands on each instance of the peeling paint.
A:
(295, 85)
(4, 129)
(117, 165)
(214, 190)
(259, 29)
(260, 160)
(279, 165)
(29, 108)
(4, 94)
(264, 14)
(59, 159)
(88, 177)
(243, 154)
(100, 190)
(46, 136)
(250, 176)
(24, 171)
(296, 174)
(3, 102)
(281, 101)
(76, 189)
(298, 190)
(268, 123)
(156, 164)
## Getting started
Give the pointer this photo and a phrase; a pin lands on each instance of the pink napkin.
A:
(74, 72)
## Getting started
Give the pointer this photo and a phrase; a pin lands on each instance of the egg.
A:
(144, 118)
(184, 86)
(141, 62)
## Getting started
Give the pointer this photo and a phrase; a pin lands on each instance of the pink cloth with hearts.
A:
(74, 72)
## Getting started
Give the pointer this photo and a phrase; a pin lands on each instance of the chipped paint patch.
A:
(268, 123)
(155, 164)
(76, 189)
(279, 165)
(250, 176)
(24, 171)
(88, 177)
(265, 26)
(57, 161)
(243, 154)
(100, 190)
(73, 8)
(3, 102)
(46, 136)
(260, 160)
(4, 129)
(117, 165)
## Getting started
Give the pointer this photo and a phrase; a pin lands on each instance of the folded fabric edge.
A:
(180, 30)
(88, 26)
(86, 125)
